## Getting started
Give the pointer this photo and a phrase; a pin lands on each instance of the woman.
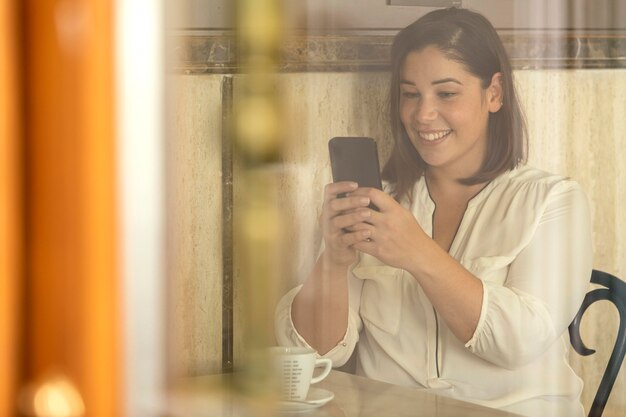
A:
(465, 281)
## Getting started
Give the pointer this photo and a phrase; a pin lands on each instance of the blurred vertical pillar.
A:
(73, 321)
(258, 147)
(10, 208)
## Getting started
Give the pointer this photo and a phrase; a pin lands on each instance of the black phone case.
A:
(355, 159)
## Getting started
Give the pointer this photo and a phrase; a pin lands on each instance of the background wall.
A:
(194, 156)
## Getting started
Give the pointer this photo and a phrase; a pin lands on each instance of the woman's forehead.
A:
(431, 65)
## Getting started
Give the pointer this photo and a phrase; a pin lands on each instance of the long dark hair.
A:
(468, 38)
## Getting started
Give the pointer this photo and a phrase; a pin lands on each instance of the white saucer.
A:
(316, 397)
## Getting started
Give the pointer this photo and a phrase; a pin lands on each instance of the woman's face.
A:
(445, 111)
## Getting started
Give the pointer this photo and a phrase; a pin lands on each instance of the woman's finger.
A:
(379, 198)
(348, 220)
(353, 238)
(333, 189)
(333, 204)
(348, 203)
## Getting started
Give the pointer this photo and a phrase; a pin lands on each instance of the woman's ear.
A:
(495, 93)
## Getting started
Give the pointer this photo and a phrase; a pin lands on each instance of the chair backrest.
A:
(614, 291)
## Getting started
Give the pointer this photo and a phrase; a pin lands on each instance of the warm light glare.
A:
(55, 397)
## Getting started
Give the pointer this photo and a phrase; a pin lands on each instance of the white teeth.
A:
(434, 135)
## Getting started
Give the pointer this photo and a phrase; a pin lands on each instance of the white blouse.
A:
(527, 236)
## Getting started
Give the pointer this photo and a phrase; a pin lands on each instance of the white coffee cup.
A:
(294, 367)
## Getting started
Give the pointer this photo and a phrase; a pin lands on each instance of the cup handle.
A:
(328, 366)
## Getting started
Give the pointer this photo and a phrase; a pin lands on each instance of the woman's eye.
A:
(447, 94)
(409, 94)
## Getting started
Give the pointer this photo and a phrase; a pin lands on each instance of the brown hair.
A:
(468, 38)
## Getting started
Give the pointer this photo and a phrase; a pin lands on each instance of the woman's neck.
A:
(442, 185)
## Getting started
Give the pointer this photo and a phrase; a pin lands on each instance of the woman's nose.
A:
(425, 111)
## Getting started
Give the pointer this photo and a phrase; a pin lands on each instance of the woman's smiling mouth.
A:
(432, 136)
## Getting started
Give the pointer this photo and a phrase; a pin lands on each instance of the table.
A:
(355, 396)
(363, 397)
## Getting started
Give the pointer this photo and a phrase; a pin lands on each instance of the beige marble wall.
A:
(575, 120)
(194, 219)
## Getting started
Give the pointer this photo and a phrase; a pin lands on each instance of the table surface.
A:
(355, 396)
(363, 397)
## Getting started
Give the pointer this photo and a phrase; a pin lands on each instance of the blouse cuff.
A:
(285, 331)
(287, 335)
(481, 320)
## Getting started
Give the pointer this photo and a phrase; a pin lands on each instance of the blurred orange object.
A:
(58, 234)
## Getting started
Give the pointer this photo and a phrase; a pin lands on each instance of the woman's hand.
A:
(395, 236)
(342, 222)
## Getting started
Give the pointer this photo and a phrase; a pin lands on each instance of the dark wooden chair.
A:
(614, 291)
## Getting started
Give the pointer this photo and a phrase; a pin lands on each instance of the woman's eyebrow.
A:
(441, 81)
(447, 80)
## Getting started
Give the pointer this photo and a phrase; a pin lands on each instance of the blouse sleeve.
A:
(287, 335)
(544, 288)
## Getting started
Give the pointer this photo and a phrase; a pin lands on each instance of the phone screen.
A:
(355, 159)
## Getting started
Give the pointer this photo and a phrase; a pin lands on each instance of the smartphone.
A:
(355, 159)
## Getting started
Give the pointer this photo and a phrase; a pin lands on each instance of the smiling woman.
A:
(469, 251)
(446, 118)
(569, 83)
(480, 56)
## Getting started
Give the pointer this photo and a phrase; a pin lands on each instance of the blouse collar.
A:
(421, 193)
